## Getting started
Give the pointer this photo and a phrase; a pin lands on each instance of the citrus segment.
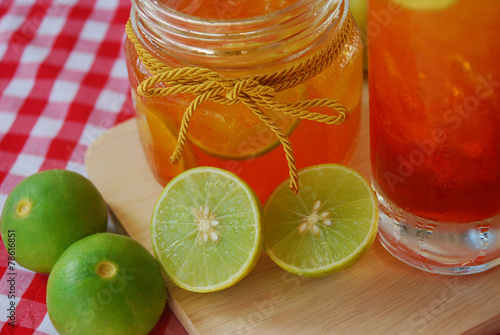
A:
(326, 227)
(426, 4)
(206, 229)
(106, 284)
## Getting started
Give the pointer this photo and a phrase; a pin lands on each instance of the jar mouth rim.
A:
(165, 10)
(171, 14)
(281, 36)
(161, 15)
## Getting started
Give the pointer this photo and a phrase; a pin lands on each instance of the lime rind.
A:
(49, 211)
(134, 288)
(213, 265)
(426, 5)
(334, 248)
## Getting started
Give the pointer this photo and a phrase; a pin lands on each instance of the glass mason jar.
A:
(218, 37)
(434, 81)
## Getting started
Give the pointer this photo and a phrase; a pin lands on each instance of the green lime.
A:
(326, 227)
(206, 229)
(359, 10)
(429, 5)
(49, 211)
(105, 284)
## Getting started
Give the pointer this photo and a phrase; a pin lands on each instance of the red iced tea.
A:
(435, 107)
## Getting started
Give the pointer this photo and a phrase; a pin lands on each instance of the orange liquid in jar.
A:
(232, 137)
(435, 120)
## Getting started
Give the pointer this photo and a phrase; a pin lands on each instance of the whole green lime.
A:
(46, 213)
(105, 284)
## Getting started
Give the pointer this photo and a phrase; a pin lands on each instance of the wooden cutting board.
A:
(379, 295)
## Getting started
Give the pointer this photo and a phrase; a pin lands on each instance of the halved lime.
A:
(326, 227)
(206, 229)
(426, 4)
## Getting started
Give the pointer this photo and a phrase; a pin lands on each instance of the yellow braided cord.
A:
(181, 139)
(256, 93)
(284, 140)
(311, 67)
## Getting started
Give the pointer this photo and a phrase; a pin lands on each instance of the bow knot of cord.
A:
(249, 87)
(257, 93)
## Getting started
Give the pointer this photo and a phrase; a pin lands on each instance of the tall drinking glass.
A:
(434, 79)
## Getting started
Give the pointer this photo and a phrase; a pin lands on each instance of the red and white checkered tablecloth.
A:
(63, 82)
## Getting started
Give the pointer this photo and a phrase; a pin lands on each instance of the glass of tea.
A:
(434, 82)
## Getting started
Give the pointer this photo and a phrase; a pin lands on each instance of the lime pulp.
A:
(206, 229)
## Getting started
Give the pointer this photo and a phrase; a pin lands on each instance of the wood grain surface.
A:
(379, 295)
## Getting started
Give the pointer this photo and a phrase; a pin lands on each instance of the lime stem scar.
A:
(23, 208)
(106, 269)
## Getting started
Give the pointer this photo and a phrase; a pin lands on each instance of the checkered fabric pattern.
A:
(63, 82)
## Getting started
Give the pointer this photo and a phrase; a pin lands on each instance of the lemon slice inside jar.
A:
(159, 142)
(428, 5)
(234, 132)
